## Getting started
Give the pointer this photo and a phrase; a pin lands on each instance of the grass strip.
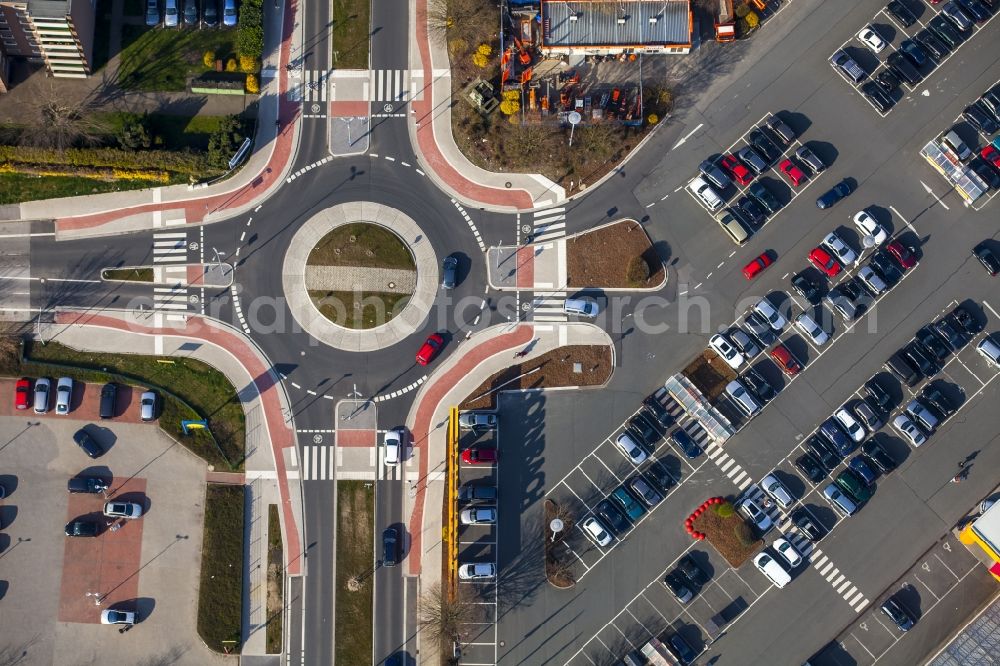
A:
(275, 580)
(17, 187)
(350, 38)
(128, 274)
(362, 244)
(355, 556)
(220, 594)
(357, 310)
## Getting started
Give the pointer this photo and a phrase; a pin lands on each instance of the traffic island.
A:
(717, 522)
(558, 557)
(618, 255)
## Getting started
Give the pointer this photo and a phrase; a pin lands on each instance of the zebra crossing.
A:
(315, 85)
(548, 224)
(170, 247)
(318, 462)
(170, 291)
(389, 85)
(548, 307)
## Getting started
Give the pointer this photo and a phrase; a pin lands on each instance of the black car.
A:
(887, 81)
(82, 528)
(760, 387)
(109, 400)
(684, 652)
(987, 173)
(676, 585)
(991, 100)
(886, 267)
(612, 518)
(946, 31)
(938, 401)
(390, 547)
(86, 484)
(919, 358)
(449, 272)
(932, 44)
(764, 146)
(692, 571)
(976, 10)
(987, 258)
(878, 455)
(914, 52)
(834, 194)
(760, 328)
(210, 13)
(823, 451)
(930, 341)
(879, 396)
(683, 440)
(979, 118)
(808, 525)
(648, 433)
(966, 320)
(806, 288)
(811, 467)
(87, 443)
(851, 288)
(898, 614)
(660, 477)
(834, 434)
(751, 211)
(764, 197)
(903, 68)
(874, 93)
(899, 11)
(656, 409)
(190, 12)
(950, 331)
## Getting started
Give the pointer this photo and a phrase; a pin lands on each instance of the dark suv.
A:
(897, 10)
(109, 398)
(390, 547)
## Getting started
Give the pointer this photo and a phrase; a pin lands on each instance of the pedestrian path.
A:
(170, 293)
(548, 224)
(318, 462)
(170, 247)
(389, 85)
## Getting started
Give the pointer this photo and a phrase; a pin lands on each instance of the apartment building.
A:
(59, 33)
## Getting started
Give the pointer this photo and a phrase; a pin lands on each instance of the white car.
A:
(594, 529)
(809, 327)
(630, 449)
(393, 443)
(772, 569)
(777, 490)
(479, 515)
(855, 430)
(704, 192)
(788, 552)
(147, 406)
(64, 395)
(119, 509)
(871, 39)
(111, 616)
(756, 514)
(768, 312)
(486, 571)
(909, 430)
(721, 345)
(867, 225)
(478, 420)
(839, 248)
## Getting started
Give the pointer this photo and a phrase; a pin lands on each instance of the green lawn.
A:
(362, 244)
(275, 580)
(351, 33)
(355, 554)
(128, 274)
(220, 594)
(17, 187)
(162, 59)
(376, 308)
(176, 132)
(198, 384)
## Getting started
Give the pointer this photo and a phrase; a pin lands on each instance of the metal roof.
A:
(598, 23)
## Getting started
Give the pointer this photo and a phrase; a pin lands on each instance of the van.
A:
(770, 567)
(109, 398)
(900, 366)
(950, 140)
(990, 351)
(733, 227)
(581, 307)
(739, 395)
(704, 192)
(845, 64)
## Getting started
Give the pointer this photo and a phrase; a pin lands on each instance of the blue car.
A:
(859, 465)
(834, 194)
(832, 432)
(683, 440)
(229, 13)
(633, 509)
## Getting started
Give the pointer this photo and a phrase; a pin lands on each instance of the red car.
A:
(789, 365)
(823, 261)
(22, 393)
(479, 456)
(753, 269)
(430, 349)
(736, 168)
(991, 155)
(793, 172)
(903, 255)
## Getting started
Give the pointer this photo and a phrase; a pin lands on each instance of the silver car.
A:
(630, 449)
(171, 17)
(809, 327)
(64, 395)
(42, 387)
(836, 245)
(119, 509)
(594, 529)
(147, 406)
(771, 314)
(809, 157)
(479, 515)
(756, 514)
(909, 430)
(777, 490)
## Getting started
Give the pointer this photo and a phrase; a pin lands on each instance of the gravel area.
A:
(601, 258)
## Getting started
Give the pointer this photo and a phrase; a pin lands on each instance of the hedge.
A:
(113, 158)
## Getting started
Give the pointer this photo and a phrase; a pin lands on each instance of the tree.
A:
(479, 60)
(134, 133)
(752, 20)
(511, 102)
(441, 617)
(57, 123)
(224, 141)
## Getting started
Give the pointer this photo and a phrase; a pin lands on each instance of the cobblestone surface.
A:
(357, 278)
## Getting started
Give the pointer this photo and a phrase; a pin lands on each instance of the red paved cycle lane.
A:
(422, 426)
(278, 432)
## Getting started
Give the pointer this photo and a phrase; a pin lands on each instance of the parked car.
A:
(644, 490)
(834, 194)
(763, 145)
(868, 226)
(692, 572)
(481, 571)
(43, 386)
(479, 455)
(878, 455)
(871, 280)
(64, 395)
(909, 430)
(736, 169)
(867, 415)
(109, 401)
(171, 16)
(478, 515)
(714, 174)
(898, 613)
(841, 303)
(897, 10)
(612, 517)
(987, 258)
(805, 155)
(660, 477)
(658, 411)
(627, 445)
(229, 13)
(87, 443)
(780, 129)
(850, 425)
(742, 398)
(824, 451)
(808, 525)
(958, 17)
(722, 346)
(902, 66)
(152, 13)
(905, 256)
(792, 172)
(823, 260)
(980, 118)
(877, 393)
(839, 248)
(764, 308)
(886, 267)
(855, 486)
(86, 484)
(120, 509)
(888, 82)
(751, 158)
(764, 197)
(757, 385)
(774, 571)
(806, 287)
(477, 420)
(808, 326)
(747, 345)
(870, 38)
(147, 406)
(190, 12)
(471, 492)
(969, 323)
(777, 491)
(841, 502)
(979, 12)
(987, 173)
(749, 211)
(919, 412)
(953, 142)
(755, 514)
(861, 467)
(788, 552)
(788, 363)
(82, 528)
(630, 505)
(22, 393)
(704, 193)
(932, 396)
(675, 584)
(210, 13)
(932, 44)
(431, 347)
(680, 649)
(112, 616)
(758, 325)
(930, 341)
(830, 430)
(875, 92)
(810, 467)
(945, 31)
(645, 429)
(597, 532)
(682, 440)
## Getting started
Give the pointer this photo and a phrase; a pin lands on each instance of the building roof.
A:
(987, 527)
(49, 8)
(597, 22)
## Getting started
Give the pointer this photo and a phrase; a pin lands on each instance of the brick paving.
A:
(359, 278)
(83, 407)
(357, 438)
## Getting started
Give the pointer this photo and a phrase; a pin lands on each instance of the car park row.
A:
(174, 13)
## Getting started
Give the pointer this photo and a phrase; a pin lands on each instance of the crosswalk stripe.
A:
(389, 85)
(860, 607)
(851, 591)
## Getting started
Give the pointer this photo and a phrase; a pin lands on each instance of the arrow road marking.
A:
(681, 141)
(936, 197)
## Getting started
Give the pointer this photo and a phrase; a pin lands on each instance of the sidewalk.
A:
(485, 353)
(270, 443)
(260, 176)
(434, 143)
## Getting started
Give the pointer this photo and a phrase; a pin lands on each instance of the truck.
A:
(725, 25)
(657, 654)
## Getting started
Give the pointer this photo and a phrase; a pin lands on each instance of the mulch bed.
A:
(724, 535)
(557, 564)
(709, 373)
(554, 369)
(600, 258)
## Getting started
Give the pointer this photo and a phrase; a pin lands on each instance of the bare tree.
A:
(440, 617)
(60, 123)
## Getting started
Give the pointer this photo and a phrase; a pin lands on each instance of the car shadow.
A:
(9, 483)
(8, 514)
(105, 437)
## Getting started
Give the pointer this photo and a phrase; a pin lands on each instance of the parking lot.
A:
(892, 33)
(148, 565)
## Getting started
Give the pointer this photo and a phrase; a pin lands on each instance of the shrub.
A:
(509, 107)
(479, 60)
(485, 49)
(252, 86)
(741, 10)
(224, 141)
(752, 20)
(724, 510)
(249, 64)
(250, 29)
(743, 534)
(134, 134)
(638, 271)
(652, 119)
(208, 59)
(231, 65)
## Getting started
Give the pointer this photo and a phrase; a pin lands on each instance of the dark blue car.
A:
(834, 194)
(685, 443)
(832, 432)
